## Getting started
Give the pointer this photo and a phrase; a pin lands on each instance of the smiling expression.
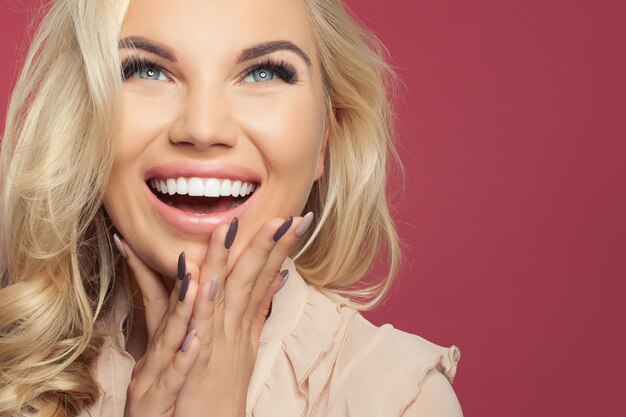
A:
(223, 116)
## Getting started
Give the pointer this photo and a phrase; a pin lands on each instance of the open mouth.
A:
(201, 196)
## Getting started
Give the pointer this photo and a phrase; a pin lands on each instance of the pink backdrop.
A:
(512, 130)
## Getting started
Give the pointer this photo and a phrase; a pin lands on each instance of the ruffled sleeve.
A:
(319, 357)
(381, 370)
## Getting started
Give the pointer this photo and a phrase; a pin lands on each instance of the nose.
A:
(204, 120)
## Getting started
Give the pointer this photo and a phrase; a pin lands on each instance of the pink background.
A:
(512, 130)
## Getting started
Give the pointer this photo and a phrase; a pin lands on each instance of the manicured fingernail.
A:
(188, 340)
(119, 246)
(283, 229)
(285, 274)
(304, 225)
(182, 266)
(232, 232)
(213, 290)
(183, 288)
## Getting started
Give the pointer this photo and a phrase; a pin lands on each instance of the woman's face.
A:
(229, 101)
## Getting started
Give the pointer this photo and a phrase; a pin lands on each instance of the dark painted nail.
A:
(182, 265)
(304, 225)
(283, 229)
(232, 232)
(285, 274)
(183, 288)
(118, 243)
(188, 340)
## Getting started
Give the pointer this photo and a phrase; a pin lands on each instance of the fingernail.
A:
(119, 246)
(285, 274)
(182, 266)
(183, 288)
(283, 229)
(188, 340)
(213, 290)
(232, 232)
(304, 225)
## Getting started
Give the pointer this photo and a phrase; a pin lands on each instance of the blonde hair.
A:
(354, 222)
(57, 262)
(57, 268)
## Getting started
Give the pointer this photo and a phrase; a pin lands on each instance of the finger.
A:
(153, 290)
(163, 393)
(184, 267)
(169, 338)
(212, 275)
(240, 283)
(203, 308)
(203, 317)
(275, 260)
(264, 307)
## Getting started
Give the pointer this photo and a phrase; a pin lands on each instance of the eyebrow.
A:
(139, 42)
(255, 51)
(265, 48)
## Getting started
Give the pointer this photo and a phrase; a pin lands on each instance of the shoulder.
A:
(436, 399)
(382, 371)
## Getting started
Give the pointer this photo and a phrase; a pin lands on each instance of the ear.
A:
(319, 170)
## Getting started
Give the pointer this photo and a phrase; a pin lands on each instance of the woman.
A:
(228, 121)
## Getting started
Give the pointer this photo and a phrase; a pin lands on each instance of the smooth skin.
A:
(207, 106)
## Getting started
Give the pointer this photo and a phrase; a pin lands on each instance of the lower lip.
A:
(196, 224)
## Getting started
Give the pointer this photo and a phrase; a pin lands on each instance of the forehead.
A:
(211, 27)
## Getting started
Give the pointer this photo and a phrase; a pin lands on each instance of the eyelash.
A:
(283, 70)
(134, 64)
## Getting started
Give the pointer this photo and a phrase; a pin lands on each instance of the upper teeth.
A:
(208, 187)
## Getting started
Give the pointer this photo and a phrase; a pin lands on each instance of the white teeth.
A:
(171, 186)
(181, 186)
(212, 188)
(225, 188)
(235, 188)
(208, 187)
(196, 187)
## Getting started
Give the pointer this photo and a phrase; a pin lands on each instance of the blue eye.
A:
(150, 74)
(260, 74)
(271, 70)
(142, 68)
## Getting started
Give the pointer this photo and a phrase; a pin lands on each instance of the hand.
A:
(229, 314)
(160, 373)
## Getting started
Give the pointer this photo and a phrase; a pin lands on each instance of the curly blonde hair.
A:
(58, 272)
(57, 262)
(354, 225)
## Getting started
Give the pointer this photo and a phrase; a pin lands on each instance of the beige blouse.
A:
(318, 357)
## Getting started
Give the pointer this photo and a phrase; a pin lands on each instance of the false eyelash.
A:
(133, 64)
(283, 69)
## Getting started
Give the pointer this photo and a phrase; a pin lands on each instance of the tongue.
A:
(201, 205)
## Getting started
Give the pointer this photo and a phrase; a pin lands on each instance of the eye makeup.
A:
(133, 64)
(283, 70)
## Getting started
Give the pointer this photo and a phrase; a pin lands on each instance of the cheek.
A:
(144, 120)
(287, 130)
